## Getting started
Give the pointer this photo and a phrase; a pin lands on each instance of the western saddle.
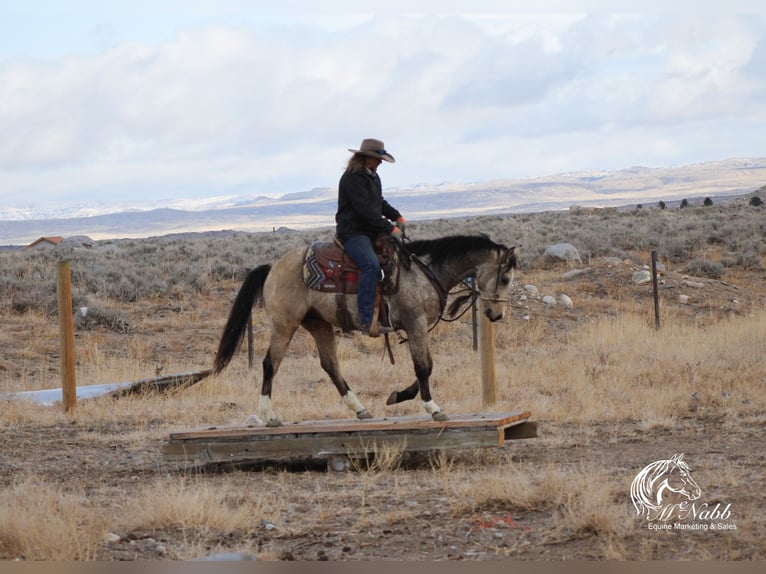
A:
(328, 268)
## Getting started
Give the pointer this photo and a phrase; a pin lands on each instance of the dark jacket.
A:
(361, 207)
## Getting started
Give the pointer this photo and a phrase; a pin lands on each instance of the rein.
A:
(468, 286)
(444, 293)
(440, 290)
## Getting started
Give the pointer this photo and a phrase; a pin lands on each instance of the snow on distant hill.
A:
(77, 209)
(316, 207)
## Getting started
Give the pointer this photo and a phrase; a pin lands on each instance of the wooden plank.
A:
(496, 420)
(526, 429)
(305, 446)
(352, 438)
(164, 383)
(49, 397)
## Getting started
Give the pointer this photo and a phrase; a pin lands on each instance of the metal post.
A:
(656, 291)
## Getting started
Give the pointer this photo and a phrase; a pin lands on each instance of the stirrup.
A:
(381, 330)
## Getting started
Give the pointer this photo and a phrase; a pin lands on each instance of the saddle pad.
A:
(326, 268)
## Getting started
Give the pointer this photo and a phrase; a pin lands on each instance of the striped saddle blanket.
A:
(327, 268)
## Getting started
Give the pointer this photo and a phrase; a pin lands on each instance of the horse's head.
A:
(678, 479)
(662, 483)
(494, 279)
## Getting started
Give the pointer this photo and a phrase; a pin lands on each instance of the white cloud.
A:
(270, 105)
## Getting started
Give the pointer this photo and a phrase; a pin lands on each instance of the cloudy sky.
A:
(155, 100)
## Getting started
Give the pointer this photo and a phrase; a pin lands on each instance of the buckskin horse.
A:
(427, 271)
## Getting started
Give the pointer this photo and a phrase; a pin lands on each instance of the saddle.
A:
(329, 269)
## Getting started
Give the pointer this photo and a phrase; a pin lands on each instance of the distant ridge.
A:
(316, 207)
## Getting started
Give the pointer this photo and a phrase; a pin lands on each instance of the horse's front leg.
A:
(423, 373)
(406, 395)
(421, 359)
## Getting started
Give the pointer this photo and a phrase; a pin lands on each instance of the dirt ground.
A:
(422, 522)
(435, 527)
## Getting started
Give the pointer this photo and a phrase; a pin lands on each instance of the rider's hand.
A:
(397, 233)
(401, 223)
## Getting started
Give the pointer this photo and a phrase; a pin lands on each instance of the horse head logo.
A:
(661, 480)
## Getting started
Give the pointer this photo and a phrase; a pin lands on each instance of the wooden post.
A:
(474, 319)
(487, 350)
(66, 336)
(656, 292)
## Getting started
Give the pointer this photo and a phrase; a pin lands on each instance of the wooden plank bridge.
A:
(350, 438)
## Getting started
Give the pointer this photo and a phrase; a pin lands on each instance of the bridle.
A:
(444, 293)
(498, 274)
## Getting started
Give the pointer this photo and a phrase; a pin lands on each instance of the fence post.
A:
(487, 349)
(655, 291)
(474, 324)
(66, 335)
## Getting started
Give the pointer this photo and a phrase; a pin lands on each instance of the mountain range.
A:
(316, 208)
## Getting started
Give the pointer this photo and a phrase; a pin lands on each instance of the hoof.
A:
(392, 400)
(274, 423)
(254, 421)
(440, 416)
(364, 414)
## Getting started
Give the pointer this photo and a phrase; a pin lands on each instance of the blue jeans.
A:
(360, 249)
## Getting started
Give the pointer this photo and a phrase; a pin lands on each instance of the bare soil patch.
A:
(406, 514)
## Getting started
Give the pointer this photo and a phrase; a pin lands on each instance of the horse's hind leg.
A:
(277, 349)
(323, 334)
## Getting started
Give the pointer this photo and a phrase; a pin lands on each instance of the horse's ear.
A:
(508, 257)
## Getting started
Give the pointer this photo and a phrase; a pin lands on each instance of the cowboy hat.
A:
(374, 148)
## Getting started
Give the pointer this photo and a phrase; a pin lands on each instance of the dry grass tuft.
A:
(588, 507)
(198, 506)
(41, 522)
(619, 368)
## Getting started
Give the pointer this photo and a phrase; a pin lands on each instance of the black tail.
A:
(234, 331)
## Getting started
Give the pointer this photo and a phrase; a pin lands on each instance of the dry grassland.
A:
(610, 392)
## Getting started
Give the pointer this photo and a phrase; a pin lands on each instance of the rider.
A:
(362, 215)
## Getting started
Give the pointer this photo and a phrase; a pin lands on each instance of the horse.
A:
(428, 270)
(663, 478)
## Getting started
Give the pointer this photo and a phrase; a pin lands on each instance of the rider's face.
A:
(372, 163)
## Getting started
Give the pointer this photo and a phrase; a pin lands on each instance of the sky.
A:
(152, 101)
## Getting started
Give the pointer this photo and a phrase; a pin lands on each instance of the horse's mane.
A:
(642, 488)
(453, 246)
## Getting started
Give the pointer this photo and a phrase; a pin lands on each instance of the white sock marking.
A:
(352, 402)
(264, 408)
(431, 407)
